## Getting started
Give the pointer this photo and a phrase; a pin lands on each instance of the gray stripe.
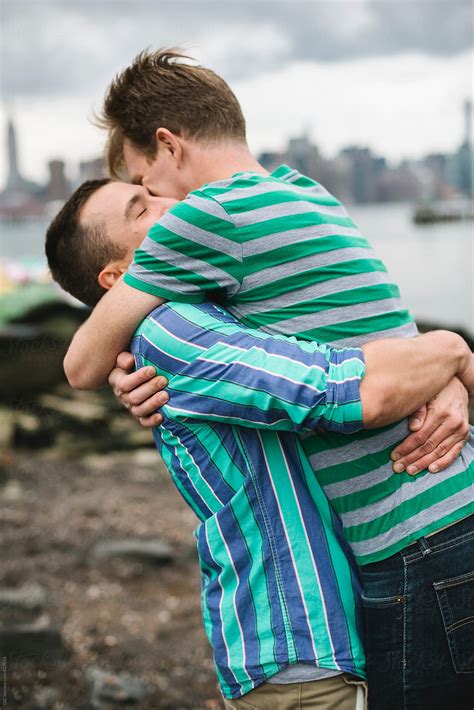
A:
(158, 279)
(261, 245)
(409, 330)
(355, 449)
(332, 316)
(327, 258)
(412, 525)
(263, 188)
(212, 207)
(359, 483)
(286, 209)
(201, 236)
(317, 290)
(408, 490)
(187, 263)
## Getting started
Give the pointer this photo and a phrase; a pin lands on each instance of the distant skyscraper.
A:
(468, 122)
(14, 180)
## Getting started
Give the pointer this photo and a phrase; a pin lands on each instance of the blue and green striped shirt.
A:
(279, 581)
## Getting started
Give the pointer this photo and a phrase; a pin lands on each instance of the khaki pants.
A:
(341, 692)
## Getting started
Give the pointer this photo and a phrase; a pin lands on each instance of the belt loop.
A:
(425, 547)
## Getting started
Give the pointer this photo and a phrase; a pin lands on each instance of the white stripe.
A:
(290, 548)
(214, 494)
(178, 411)
(175, 337)
(220, 610)
(155, 347)
(265, 372)
(316, 571)
(234, 600)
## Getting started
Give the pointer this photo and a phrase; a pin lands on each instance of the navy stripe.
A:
(249, 414)
(213, 596)
(208, 469)
(319, 547)
(178, 472)
(243, 596)
(281, 554)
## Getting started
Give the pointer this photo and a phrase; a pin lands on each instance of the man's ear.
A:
(111, 273)
(169, 143)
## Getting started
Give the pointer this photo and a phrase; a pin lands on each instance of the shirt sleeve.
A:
(193, 249)
(248, 378)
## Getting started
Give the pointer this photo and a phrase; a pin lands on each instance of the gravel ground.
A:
(120, 615)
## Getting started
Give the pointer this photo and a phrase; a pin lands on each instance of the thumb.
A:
(417, 419)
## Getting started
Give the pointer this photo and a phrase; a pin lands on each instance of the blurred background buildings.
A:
(355, 175)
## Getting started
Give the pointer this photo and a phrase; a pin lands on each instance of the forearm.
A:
(107, 331)
(403, 374)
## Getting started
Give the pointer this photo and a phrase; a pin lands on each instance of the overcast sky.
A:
(391, 74)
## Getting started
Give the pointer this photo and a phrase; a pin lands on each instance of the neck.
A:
(221, 161)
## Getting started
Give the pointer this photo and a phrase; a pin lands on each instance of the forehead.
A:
(135, 161)
(109, 201)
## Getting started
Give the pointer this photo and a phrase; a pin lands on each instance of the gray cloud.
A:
(57, 47)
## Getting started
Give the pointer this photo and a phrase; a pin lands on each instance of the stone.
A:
(28, 596)
(155, 550)
(116, 688)
(36, 642)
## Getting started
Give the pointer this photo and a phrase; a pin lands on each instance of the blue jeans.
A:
(419, 616)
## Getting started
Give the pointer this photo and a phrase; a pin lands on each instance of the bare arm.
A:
(94, 349)
(401, 375)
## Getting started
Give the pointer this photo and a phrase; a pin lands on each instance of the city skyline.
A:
(387, 75)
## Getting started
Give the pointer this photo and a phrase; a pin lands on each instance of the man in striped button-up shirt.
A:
(284, 256)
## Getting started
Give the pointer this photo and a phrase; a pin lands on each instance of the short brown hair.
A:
(77, 254)
(160, 89)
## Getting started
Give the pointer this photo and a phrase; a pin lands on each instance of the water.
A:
(432, 264)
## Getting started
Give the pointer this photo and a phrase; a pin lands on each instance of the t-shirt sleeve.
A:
(193, 250)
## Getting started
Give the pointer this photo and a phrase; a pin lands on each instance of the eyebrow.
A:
(130, 204)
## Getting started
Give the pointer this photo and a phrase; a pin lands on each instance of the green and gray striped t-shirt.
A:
(282, 254)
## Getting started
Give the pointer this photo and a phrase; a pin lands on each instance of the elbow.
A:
(78, 376)
(376, 405)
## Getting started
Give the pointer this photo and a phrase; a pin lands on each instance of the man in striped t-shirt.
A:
(283, 255)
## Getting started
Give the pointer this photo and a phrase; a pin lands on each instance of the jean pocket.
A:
(456, 602)
(382, 602)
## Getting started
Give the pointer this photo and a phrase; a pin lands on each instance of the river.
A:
(432, 264)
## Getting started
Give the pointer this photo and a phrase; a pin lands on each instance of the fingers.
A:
(440, 443)
(126, 383)
(414, 441)
(447, 460)
(149, 405)
(151, 421)
(125, 361)
(442, 456)
(417, 419)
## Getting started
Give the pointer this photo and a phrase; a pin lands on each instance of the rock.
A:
(84, 411)
(155, 551)
(116, 688)
(45, 698)
(29, 596)
(37, 642)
